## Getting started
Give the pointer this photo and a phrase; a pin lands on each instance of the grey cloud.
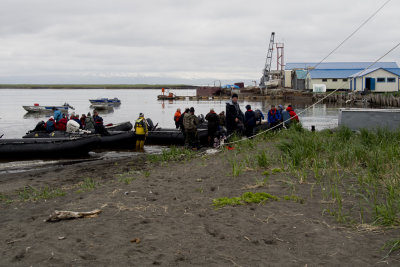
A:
(179, 39)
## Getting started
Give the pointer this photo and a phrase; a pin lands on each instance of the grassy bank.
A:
(96, 86)
(357, 175)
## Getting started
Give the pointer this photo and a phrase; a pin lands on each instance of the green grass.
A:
(391, 246)
(294, 198)
(87, 184)
(369, 162)
(358, 174)
(171, 154)
(30, 193)
(245, 198)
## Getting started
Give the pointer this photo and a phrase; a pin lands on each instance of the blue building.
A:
(336, 75)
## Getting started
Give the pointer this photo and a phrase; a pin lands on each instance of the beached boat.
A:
(114, 101)
(116, 139)
(37, 108)
(122, 126)
(46, 147)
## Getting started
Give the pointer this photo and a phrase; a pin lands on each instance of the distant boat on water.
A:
(114, 101)
(37, 108)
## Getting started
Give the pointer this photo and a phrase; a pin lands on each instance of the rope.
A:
(354, 32)
(320, 100)
(341, 86)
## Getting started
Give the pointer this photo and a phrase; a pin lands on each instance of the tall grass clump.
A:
(172, 154)
(368, 163)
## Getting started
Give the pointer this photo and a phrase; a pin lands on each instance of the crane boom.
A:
(268, 62)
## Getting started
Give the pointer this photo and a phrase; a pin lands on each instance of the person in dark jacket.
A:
(234, 116)
(274, 117)
(180, 122)
(213, 124)
(99, 127)
(222, 118)
(191, 122)
(249, 121)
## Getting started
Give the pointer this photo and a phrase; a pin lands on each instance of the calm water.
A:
(15, 121)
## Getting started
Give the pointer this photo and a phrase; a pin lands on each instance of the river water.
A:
(15, 121)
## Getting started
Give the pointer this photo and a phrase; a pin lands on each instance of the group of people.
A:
(237, 122)
(188, 122)
(61, 122)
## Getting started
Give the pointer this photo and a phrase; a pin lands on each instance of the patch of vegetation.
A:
(146, 173)
(87, 185)
(32, 194)
(294, 198)
(172, 154)
(276, 170)
(365, 166)
(392, 246)
(246, 198)
(262, 160)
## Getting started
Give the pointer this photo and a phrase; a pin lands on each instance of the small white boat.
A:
(37, 108)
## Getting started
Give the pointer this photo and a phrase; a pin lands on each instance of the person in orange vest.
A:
(177, 116)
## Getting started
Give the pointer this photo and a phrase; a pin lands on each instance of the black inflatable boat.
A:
(46, 147)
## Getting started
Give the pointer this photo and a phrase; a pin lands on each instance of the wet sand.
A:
(162, 214)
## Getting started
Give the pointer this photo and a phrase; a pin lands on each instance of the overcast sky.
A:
(131, 41)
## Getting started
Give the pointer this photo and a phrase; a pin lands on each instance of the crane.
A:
(268, 63)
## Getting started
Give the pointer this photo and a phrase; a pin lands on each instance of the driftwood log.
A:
(59, 215)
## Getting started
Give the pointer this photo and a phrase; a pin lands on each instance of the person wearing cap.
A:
(249, 121)
(234, 116)
(190, 122)
(50, 125)
(141, 131)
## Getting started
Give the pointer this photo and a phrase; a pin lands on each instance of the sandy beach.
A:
(162, 213)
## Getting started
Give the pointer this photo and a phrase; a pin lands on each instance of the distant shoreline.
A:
(97, 86)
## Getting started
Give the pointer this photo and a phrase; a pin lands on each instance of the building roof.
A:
(395, 71)
(339, 65)
(329, 74)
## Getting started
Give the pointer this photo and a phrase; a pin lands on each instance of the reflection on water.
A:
(15, 122)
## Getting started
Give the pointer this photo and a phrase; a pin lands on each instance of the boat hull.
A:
(47, 109)
(46, 147)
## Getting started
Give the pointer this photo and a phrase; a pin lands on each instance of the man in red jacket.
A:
(293, 115)
(62, 123)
